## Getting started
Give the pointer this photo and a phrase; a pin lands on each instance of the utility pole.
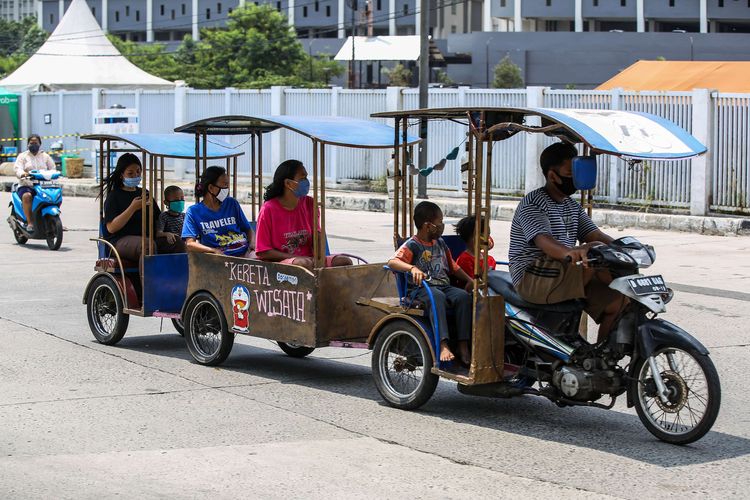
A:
(352, 78)
(424, 80)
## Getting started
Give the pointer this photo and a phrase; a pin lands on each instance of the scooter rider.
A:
(31, 159)
(546, 265)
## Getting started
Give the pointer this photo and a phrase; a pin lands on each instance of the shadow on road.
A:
(615, 432)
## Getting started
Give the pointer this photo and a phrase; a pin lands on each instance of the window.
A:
(304, 11)
(502, 3)
(127, 10)
(328, 11)
(172, 14)
(278, 6)
(721, 3)
(406, 10)
(93, 11)
(379, 5)
(208, 13)
(623, 3)
(549, 3)
(454, 9)
(229, 10)
(671, 3)
(218, 8)
(183, 9)
(317, 5)
(52, 19)
(117, 16)
(596, 3)
(453, 28)
(137, 15)
(161, 10)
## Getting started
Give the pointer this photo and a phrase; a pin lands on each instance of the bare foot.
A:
(445, 352)
(463, 352)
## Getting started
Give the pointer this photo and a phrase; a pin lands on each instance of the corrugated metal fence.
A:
(651, 184)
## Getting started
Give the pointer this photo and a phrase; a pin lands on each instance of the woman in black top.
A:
(122, 212)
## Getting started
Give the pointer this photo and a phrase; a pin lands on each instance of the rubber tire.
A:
(294, 350)
(714, 402)
(122, 319)
(177, 323)
(227, 338)
(20, 238)
(55, 240)
(429, 381)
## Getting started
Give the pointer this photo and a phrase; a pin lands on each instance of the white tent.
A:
(78, 56)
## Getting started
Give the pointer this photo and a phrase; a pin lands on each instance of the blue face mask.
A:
(303, 187)
(176, 206)
(131, 182)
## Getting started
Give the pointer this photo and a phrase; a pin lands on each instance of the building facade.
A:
(15, 10)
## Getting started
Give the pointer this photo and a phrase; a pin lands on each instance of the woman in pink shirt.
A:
(285, 222)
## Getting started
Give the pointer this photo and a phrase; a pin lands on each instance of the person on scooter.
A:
(31, 159)
(546, 265)
(122, 212)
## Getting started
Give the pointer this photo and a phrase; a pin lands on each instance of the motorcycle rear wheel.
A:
(694, 399)
(54, 232)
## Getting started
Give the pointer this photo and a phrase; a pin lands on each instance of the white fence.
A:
(719, 181)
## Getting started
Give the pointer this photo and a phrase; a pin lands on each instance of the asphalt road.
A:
(82, 420)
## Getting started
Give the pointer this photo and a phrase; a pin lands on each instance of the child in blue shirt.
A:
(426, 256)
(217, 224)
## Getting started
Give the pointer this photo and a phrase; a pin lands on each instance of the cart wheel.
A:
(54, 232)
(206, 332)
(295, 350)
(177, 323)
(20, 238)
(104, 308)
(401, 364)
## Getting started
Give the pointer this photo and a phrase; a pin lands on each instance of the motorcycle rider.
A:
(31, 159)
(546, 265)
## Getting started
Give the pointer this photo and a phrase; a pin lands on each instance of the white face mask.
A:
(223, 193)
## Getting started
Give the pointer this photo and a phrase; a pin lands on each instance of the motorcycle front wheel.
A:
(693, 399)
(54, 232)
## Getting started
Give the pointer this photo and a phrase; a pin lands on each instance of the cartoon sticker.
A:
(240, 309)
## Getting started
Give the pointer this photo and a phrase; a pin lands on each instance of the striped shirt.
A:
(169, 223)
(539, 214)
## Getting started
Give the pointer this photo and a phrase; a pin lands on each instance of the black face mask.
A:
(566, 186)
(34, 148)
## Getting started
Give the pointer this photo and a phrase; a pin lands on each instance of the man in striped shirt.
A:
(543, 253)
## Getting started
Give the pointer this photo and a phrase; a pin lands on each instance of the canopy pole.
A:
(234, 168)
(197, 162)
(404, 202)
(253, 199)
(101, 180)
(486, 213)
(410, 207)
(260, 171)
(396, 179)
(150, 204)
(161, 168)
(479, 173)
(470, 172)
(587, 201)
(323, 199)
(144, 196)
(316, 235)
(205, 150)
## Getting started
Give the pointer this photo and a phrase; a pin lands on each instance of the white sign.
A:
(116, 121)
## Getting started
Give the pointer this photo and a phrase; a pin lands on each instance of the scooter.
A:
(45, 210)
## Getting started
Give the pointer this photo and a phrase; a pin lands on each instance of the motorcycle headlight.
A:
(641, 256)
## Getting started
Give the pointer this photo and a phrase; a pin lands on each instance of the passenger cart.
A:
(117, 290)
(299, 309)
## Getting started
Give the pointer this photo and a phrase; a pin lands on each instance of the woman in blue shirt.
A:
(217, 224)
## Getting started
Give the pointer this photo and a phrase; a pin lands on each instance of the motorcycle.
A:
(668, 376)
(45, 210)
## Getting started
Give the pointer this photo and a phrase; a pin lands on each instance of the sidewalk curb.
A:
(503, 210)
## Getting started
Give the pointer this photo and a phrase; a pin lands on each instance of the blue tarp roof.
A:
(626, 134)
(335, 130)
(171, 145)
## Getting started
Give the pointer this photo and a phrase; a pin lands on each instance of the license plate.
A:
(647, 285)
(48, 183)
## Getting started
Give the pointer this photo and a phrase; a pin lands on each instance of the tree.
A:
(398, 76)
(507, 75)
(19, 41)
(152, 58)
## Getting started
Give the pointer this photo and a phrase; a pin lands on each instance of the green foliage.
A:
(442, 77)
(661, 58)
(398, 76)
(19, 41)
(507, 75)
(152, 58)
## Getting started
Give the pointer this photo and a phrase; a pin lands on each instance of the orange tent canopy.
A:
(724, 76)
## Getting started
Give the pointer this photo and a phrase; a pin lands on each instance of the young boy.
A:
(465, 231)
(171, 220)
(427, 257)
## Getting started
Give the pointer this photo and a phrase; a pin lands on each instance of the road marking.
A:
(713, 292)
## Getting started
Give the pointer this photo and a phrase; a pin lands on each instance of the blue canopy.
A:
(170, 145)
(334, 130)
(627, 134)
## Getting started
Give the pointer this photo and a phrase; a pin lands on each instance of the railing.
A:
(663, 184)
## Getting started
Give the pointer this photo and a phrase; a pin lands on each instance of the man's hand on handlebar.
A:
(417, 275)
(578, 255)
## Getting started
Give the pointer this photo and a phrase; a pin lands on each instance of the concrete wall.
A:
(584, 59)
